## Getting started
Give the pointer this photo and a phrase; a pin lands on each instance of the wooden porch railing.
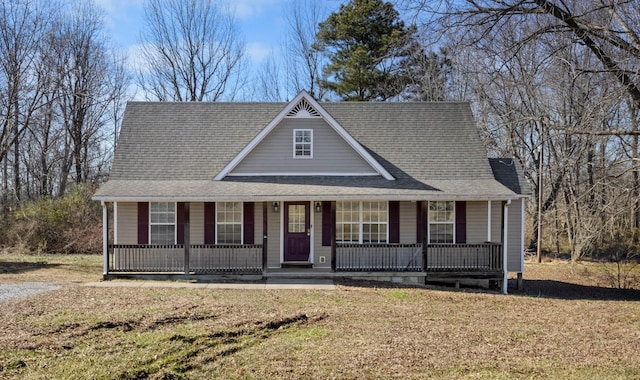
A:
(146, 258)
(170, 258)
(379, 257)
(225, 258)
(486, 257)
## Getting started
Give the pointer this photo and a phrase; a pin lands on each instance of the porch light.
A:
(318, 207)
(276, 206)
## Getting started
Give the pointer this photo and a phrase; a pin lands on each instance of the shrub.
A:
(621, 249)
(69, 224)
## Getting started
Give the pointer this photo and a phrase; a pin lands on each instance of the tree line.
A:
(554, 84)
(61, 84)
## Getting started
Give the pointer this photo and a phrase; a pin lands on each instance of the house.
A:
(389, 191)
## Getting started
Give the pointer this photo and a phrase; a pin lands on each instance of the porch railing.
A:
(379, 257)
(225, 258)
(486, 257)
(171, 258)
(146, 258)
(211, 259)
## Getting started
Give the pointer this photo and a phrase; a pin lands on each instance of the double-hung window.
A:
(162, 223)
(441, 221)
(229, 223)
(303, 143)
(362, 222)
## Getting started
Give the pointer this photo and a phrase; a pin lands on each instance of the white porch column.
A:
(505, 239)
(488, 220)
(105, 238)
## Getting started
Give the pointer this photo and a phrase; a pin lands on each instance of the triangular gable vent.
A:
(303, 109)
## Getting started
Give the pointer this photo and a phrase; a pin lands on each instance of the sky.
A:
(260, 22)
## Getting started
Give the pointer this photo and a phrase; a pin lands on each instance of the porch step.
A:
(297, 265)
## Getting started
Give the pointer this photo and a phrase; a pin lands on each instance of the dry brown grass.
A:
(357, 331)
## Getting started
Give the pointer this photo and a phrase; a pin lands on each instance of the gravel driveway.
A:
(23, 289)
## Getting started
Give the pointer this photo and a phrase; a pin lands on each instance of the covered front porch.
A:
(334, 239)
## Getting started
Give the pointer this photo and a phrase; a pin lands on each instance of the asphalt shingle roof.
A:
(174, 150)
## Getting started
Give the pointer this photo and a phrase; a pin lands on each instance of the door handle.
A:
(308, 231)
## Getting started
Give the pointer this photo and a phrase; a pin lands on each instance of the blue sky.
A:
(261, 23)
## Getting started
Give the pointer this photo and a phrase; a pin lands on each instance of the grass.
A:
(359, 330)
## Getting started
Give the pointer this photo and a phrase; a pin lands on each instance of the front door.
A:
(297, 231)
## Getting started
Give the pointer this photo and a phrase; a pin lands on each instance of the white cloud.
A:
(245, 9)
(258, 52)
(119, 8)
(135, 62)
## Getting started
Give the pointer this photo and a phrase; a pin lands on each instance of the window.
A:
(348, 222)
(297, 218)
(441, 221)
(303, 143)
(361, 222)
(374, 222)
(229, 223)
(162, 223)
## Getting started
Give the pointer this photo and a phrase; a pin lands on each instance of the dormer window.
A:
(303, 143)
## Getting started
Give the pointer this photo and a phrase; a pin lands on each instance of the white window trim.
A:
(429, 222)
(361, 223)
(175, 222)
(310, 156)
(241, 224)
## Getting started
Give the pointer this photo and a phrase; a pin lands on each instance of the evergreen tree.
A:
(367, 45)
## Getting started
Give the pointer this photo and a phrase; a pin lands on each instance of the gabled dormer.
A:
(303, 140)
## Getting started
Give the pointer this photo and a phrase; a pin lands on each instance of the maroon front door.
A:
(297, 231)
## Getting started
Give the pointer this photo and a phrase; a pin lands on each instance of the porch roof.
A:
(300, 188)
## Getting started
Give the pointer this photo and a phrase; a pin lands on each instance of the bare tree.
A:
(560, 75)
(609, 29)
(21, 25)
(303, 63)
(191, 51)
(89, 88)
(270, 86)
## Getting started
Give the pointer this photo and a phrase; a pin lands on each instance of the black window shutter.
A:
(143, 222)
(420, 230)
(326, 224)
(249, 222)
(394, 222)
(209, 223)
(461, 222)
(180, 223)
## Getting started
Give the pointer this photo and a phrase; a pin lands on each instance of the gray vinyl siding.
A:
(274, 154)
(273, 240)
(127, 223)
(496, 221)
(257, 220)
(515, 244)
(196, 223)
(476, 222)
(408, 222)
(318, 249)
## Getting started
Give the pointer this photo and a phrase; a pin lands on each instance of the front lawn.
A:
(360, 330)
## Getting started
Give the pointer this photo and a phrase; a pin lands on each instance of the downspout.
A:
(105, 239)
(505, 273)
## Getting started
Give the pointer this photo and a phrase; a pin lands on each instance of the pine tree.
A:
(367, 45)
